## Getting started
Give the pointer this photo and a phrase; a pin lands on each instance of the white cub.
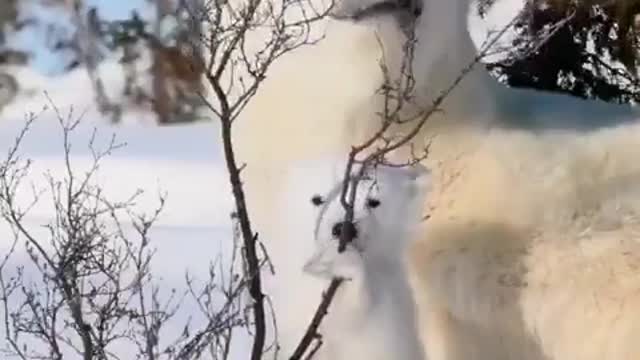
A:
(372, 316)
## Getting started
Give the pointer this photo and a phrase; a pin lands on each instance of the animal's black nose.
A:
(348, 228)
(412, 6)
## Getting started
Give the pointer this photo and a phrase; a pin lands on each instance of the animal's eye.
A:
(317, 200)
(372, 203)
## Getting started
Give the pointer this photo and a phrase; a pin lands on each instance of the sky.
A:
(34, 39)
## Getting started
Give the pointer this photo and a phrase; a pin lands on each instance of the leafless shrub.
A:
(244, 38)
(85, 286)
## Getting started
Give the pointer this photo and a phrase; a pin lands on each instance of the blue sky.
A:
(116, 9)
(34, 39)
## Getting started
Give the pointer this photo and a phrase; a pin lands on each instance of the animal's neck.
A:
(444, 51)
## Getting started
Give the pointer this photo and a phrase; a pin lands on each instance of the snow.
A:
(183, 161)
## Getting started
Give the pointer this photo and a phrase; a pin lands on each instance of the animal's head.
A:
(387, 206)
(405, 12)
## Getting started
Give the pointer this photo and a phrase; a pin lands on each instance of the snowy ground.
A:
(184, 161)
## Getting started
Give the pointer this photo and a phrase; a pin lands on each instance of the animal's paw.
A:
(348, 265)
(328, 263)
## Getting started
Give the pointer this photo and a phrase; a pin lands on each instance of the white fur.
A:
(372, 316)
(532, 249)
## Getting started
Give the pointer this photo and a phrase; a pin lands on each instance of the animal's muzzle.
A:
(346, 229)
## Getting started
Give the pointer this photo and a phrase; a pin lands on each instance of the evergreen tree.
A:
(590, 49)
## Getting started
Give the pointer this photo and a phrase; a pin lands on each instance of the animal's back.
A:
(540, 111)
(532, 247)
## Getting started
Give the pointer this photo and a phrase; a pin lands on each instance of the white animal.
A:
(532, 249)
(372, 316)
